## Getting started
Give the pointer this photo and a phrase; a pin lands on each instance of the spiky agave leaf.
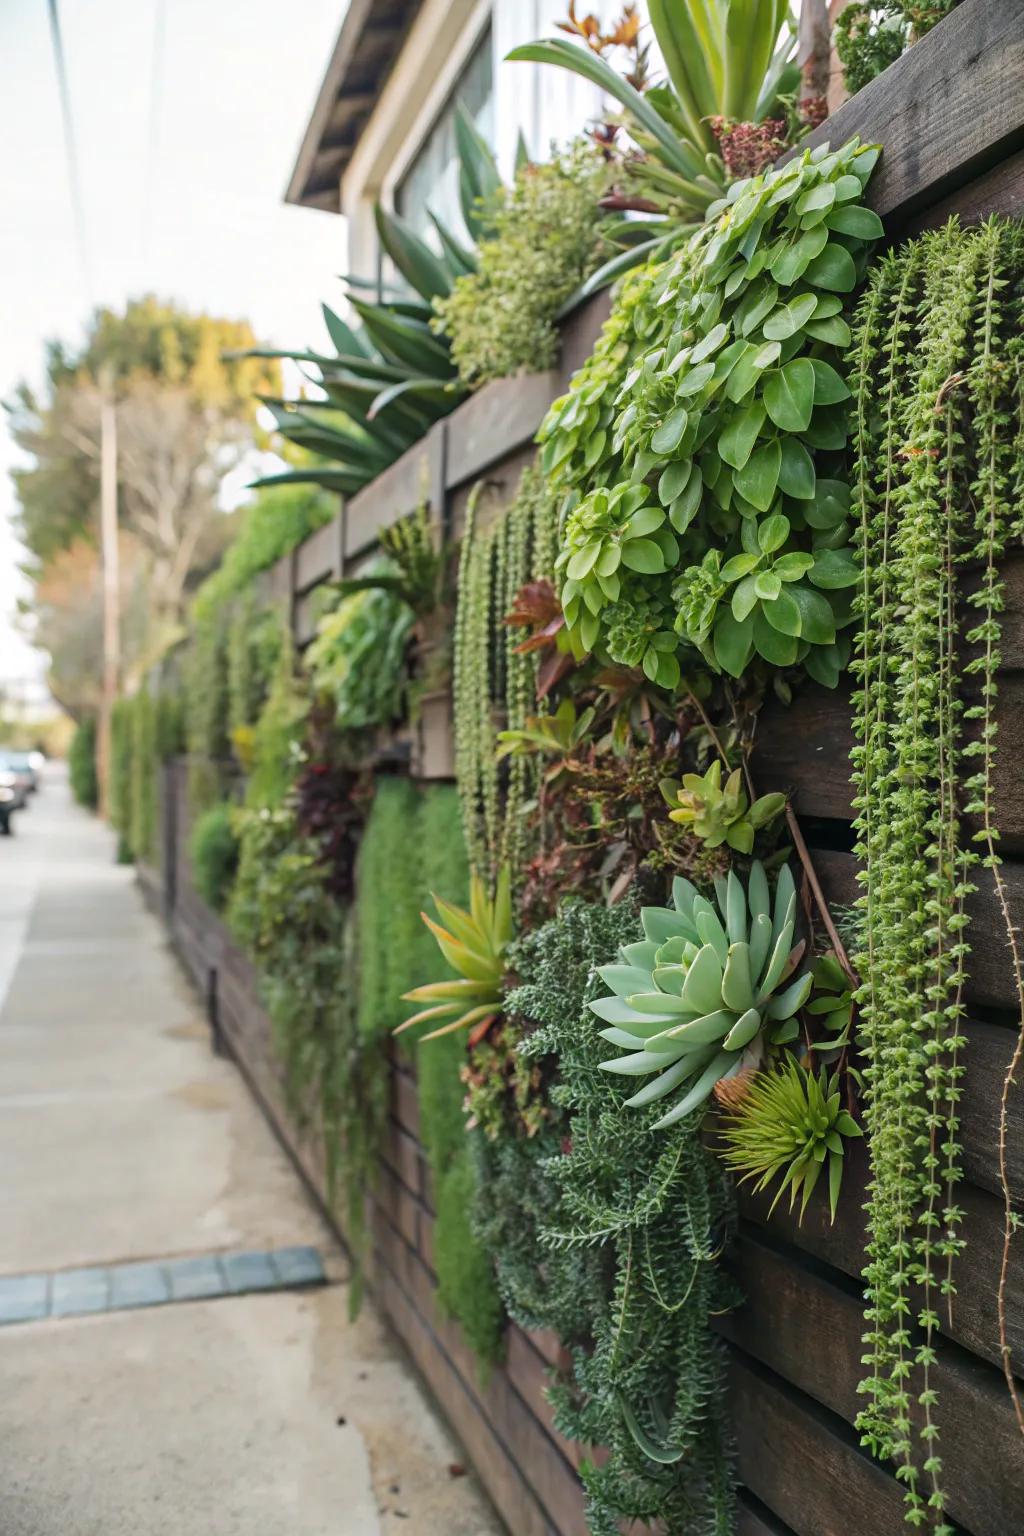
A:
(702, 995)
(787, 1126)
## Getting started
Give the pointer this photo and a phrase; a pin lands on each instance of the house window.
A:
(431, 182)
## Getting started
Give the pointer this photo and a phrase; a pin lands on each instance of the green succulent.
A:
(786, 1126)
(607, 534)
(720, 814)
(703, 993)
(474, 945)
(555, 735)
(832, 1004)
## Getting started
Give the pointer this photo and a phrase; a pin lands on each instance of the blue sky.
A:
(238, 81)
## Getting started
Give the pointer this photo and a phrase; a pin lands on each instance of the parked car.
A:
(11, 799)
(24, 766)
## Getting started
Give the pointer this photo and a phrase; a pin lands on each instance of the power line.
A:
(71, 150)
(155, 98)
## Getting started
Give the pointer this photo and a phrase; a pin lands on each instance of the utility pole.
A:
(111, 582)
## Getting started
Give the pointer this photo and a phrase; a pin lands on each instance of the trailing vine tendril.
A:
(936, 377)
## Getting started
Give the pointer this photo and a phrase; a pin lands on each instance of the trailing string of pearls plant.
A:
(937, 371)
(494, 681)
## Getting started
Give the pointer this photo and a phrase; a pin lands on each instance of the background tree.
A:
(186, 417)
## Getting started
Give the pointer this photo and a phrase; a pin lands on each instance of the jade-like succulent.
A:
(720, 814)
(706, 990)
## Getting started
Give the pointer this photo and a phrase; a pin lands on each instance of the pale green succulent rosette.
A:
(706, 990)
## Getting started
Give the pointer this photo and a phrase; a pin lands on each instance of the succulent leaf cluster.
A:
(709, 987)
(474, 945)
(720, 813)
(727, 59)
(700, 450)
(786, 1127)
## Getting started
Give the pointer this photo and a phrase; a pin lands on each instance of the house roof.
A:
(368, 44)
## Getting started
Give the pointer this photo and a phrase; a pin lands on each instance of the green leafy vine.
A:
(936, 375)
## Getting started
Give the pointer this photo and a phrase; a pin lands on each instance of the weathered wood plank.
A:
(990, 975)
(496, 421)
(808, 1330)
(316, 559)
(1000, 190)
(390, 496)
(945, 112)
(803, 1463)
(580, 330)
(805, 748)
(306, 616)
(752, 1522)
(976, 1273)
(989, 1051)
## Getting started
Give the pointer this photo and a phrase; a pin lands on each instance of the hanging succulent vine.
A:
(937, 380)
(494, 683)
(611, 1235)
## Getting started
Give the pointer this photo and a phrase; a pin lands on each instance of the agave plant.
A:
(710, 986)
(719, 813)
(474, 945)
(390, 376)
(787, 1126)
(727, 59)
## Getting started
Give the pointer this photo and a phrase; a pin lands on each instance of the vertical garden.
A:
(714, 1084)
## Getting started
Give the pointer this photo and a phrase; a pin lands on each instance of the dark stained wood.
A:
(808, 1330)
(805, 748)
(757, 1522)
(529, 1372)
(976, 1273)
(1000, 190)
(989, 1051)
(945, 112)
(990, 971)
(804, 1464)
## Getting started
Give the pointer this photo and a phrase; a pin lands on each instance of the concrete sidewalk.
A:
(123, 1139)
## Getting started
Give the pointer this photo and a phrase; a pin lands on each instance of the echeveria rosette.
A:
(709, 988)
(731, 409)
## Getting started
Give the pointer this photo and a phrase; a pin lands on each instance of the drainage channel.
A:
(155, 1283)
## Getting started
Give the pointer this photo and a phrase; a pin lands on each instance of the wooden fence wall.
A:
(950, 116)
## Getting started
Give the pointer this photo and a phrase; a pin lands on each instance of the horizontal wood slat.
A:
(808, 1330)
(990, 974)
(945, 112)
(318, 557)
(975, 1274)
(803, 1463)
(805, 748)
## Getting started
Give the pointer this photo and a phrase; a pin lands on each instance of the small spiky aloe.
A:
(703, 994)
(789, 1122)
(474, 945)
